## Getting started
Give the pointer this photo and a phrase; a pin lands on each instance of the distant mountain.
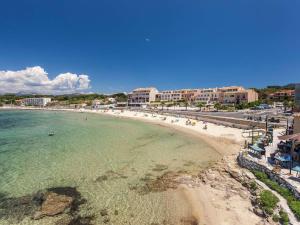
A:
(288, 86)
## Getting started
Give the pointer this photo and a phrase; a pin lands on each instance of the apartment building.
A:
(207, 95)
(189, 94)
(169, 96)
(236, 95)
(224, 95)
(282, 95)
(96, 103)
(142, 96)
(177, 95)
(36, 101)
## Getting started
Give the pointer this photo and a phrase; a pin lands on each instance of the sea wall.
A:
(248, 163)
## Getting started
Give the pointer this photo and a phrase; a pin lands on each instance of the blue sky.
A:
(123, 44)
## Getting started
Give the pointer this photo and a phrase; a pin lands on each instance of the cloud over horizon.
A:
(35, 80)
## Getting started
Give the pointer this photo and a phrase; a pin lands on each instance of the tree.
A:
(291, 105)
(200, 105)
(217, 106)
(186, 103)
(285, 104)
(162, 105)
(169, 104)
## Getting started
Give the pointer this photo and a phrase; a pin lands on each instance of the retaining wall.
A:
(246, 162)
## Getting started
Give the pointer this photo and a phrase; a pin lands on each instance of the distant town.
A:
(218, 98)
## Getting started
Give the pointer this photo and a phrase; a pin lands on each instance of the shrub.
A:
(268, 201)
(276, 218)
(284, 218)
(293, 203)
(295, 207)
(260, 175)
(253, 185)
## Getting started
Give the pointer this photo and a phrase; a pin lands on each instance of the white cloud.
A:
(35, 80)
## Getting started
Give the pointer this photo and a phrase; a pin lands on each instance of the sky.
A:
(107, 46)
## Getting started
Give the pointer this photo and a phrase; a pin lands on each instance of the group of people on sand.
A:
(193, 123)
(189, 122)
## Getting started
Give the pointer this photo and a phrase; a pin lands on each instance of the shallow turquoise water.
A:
(83, 150)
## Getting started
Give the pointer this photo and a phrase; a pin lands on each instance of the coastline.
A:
(212, 197)
(224, 140)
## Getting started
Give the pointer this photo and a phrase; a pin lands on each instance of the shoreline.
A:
(224, 140)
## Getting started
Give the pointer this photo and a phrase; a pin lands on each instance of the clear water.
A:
(83, 150)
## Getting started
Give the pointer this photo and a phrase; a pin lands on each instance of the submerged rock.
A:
(156, 184)
(101, 178)
(110, 175)
(17, 208)
(53, 205)
(70, 192)
(87, 220)
(116, 212)
(160, 167)
(103, 212)
(106, 219)
(50, 202)
(78, 220)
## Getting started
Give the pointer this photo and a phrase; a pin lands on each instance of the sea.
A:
(117, 165)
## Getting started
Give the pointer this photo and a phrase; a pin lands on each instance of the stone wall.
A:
(248, 163)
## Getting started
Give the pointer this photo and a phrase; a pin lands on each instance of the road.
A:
(241, 114)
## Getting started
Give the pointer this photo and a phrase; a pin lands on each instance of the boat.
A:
(51, 133)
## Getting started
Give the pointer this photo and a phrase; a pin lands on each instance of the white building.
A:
(142, 96)
(112, 100)
(96, 103)
(36, 101)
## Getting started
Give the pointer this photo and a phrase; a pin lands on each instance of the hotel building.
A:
(207, 95)
(169, 96)
(236, 95)
(176, 95)
(224, 95)
(282, 95)
(36, 101)
(142, 96)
